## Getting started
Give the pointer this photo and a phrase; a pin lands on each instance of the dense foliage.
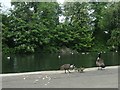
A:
(111, 23)
(78, 23)
(35, 27)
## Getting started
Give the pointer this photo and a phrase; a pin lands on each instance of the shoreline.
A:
(52, 72)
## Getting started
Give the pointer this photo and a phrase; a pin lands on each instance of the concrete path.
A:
(91, 78)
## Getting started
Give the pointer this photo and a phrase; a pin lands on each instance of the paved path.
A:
(91, 78)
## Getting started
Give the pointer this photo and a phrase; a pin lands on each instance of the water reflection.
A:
(40, 62)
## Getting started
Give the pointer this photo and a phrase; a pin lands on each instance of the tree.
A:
(97, 12)
(0, 27)
(78, 24)
(111, 23)
(114, 40)
(35, 27)
(30, 26)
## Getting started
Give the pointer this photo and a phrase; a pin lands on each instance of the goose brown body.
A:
(100, 62)
(67, 67)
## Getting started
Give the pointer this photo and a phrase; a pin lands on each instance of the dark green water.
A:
(41, 62)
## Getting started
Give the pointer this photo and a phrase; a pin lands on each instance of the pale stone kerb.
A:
(52, 72)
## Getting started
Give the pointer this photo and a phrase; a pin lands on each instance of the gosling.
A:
(81, 69)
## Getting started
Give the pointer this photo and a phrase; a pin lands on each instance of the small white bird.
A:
(8, 57)
(59, 56)
(83, 53)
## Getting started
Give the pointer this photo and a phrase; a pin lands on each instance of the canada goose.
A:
(100, 62)
(67, 67)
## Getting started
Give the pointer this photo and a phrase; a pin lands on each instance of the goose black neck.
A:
(99, 55)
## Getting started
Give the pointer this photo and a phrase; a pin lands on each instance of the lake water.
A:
(43, 62)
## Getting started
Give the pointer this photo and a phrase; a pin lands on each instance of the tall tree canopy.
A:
(35, 27)
(78, 24)
(111, 23)
(29, 26)
(97, 9)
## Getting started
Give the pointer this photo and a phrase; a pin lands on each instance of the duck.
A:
(99, 62)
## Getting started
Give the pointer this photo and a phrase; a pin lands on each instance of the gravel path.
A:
(91, 78)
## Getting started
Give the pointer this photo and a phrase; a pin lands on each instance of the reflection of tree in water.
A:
(18, 63)
(10, 64)
(40, 62)
(15, 67)
(115, 58)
